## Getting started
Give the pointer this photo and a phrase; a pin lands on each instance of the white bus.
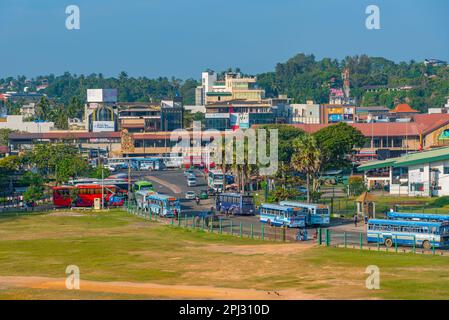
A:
(216, 180)
(142, 197)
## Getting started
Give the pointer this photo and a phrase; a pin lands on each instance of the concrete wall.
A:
(17, 123)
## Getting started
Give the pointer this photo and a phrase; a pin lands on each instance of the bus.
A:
(216, 180)
(141, 197)
(281, 216)
(316, 214)
(417, 217)
(143, 185)
(235, 203)
(86, 195)
(121, 183)
(163, 205)
(408, 233)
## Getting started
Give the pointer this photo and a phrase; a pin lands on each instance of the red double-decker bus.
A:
(86, 195)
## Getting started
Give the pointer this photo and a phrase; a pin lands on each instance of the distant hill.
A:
(374, 81)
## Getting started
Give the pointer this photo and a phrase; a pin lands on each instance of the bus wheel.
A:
(389, 242)
(426, 244)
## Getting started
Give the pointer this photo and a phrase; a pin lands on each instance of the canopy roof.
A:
(411, 159)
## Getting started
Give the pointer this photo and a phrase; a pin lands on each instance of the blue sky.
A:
(183, 37)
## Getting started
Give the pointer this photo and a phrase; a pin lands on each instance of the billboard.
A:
(103, 126)
(217, 115)
(244, 121)
(239, 120)
(102, 95)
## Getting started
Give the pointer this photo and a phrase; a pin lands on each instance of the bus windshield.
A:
(247, 200)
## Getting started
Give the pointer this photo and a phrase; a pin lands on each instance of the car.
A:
(190, 195)
(191, 181)
(204, 194)
(189, 172)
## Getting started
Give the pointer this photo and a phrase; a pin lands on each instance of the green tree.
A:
(336, 143)
(307, 158)
(33, 193)
(43, 109)
(58, 161)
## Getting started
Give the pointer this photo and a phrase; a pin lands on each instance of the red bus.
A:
(86, 195)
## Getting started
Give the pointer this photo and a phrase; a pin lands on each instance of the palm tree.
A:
(307, 158)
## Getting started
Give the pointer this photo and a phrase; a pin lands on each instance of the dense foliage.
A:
(303, 77)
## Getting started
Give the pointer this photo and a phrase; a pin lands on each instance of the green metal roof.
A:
(376, 164)
(212, 94)
(439, 154)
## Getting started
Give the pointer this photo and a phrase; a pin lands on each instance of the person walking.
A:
(175, 213)
(355, 220)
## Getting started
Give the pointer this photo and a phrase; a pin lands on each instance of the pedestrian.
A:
(355, 220)
(366, 219)
(175, 213)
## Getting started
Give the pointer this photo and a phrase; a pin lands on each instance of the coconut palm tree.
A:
(307, 158)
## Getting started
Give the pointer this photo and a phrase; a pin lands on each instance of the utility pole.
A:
(102, 187)
(129, 181)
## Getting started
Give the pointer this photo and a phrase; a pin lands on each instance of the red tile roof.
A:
(423, 124)
(66, 135)
(403, 108)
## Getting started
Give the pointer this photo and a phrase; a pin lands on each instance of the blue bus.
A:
(235, 203)
(157, 203)
(316, 214)
(281, 216)
(406, 233)
(428, 217)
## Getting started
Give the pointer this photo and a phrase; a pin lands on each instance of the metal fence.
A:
(222, 225)
(358, 240)
(20, 211)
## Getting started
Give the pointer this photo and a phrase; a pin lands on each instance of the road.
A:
(173, 182)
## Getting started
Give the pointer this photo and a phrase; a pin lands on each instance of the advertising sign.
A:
(103, 126)
(244, 121)
(335, 118)
(349, 111)
(110, 95)
(102, 95)
(217, 115)
(335, 110)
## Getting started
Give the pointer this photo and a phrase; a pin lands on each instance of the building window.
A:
(446, 170)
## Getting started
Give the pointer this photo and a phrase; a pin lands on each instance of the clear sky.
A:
(183, 37)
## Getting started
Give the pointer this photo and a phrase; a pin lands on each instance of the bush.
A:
(440, 202)
(356, 185)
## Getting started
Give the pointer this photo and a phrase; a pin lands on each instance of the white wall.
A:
(16, 123)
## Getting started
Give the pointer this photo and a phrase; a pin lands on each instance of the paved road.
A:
(173, 182)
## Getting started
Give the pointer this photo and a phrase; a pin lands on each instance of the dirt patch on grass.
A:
(260, 249)
(152, 290)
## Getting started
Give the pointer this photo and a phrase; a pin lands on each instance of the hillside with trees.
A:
(303, 78)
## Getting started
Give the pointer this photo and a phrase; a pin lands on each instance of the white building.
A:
(17, 123)
(305, 113)
(417, 174)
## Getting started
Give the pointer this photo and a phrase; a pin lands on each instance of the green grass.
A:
(116, 246)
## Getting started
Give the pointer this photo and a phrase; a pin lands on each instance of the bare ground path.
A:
(152, 290)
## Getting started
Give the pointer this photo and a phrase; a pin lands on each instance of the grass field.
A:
(122, 256)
